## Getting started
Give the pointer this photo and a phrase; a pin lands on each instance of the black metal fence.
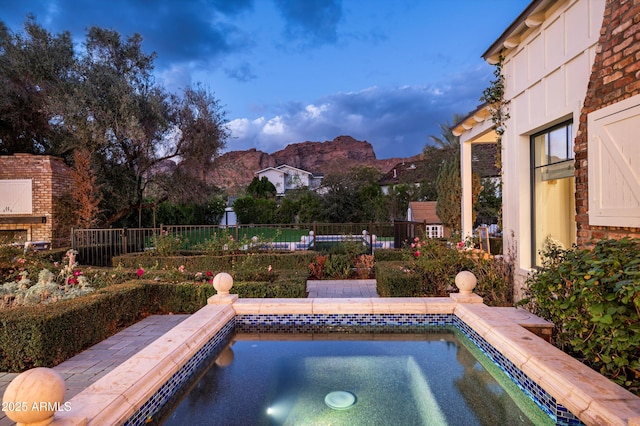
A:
(98, 246)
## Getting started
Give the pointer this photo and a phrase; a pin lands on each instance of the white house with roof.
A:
(547, 57)
(285, 177)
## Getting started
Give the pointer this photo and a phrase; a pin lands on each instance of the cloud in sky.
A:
(313, 22)
(307, 70)
(372, 114)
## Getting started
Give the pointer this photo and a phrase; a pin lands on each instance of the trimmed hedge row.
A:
(394, 280)
(46, 335)
(384, 255)
(203, 262)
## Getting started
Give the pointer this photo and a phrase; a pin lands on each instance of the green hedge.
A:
(284, 289)
(395, 280)
(190, 262)
(384, 255)
(215, 264)
(46, 335)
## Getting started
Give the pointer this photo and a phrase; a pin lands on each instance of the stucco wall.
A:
(51, 178)
(615, 76)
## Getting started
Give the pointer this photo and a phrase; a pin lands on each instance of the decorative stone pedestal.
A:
(222, 282)
(33, 397)
(466, 282)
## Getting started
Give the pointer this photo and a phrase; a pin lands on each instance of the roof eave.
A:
(510, 35)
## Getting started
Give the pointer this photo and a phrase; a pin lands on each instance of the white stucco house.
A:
(569, 158)
(285, 177)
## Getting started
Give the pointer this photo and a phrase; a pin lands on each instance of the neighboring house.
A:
(569, 151)
(285, 177)
(425, 212)
(30, 186)
(407, 172)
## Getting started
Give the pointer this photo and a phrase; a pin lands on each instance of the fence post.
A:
(315, 235)
(124, 240)
(73, 239)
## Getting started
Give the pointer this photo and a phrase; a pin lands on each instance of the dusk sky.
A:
(287, 71)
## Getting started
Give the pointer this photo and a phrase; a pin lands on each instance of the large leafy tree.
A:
(36, 69)
(145, 144)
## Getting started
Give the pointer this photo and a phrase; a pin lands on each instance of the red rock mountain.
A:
(234, 170)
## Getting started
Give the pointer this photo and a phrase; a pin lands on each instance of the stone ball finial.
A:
(34, 396)
(223, 282)
(466, 282)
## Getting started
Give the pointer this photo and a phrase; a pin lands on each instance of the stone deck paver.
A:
(87, 367)
(342, 288)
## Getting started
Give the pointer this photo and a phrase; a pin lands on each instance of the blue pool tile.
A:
(352, 323)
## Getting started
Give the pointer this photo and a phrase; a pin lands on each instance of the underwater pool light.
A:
(340, 400)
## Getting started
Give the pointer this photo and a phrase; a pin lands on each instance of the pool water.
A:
(433, 378)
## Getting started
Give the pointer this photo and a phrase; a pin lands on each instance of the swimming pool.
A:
(428, 377)
(135, 391)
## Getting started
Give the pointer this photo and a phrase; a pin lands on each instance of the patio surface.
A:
(87, 367)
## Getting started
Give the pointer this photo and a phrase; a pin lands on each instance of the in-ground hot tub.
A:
(134, 391)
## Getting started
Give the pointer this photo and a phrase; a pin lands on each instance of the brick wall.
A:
(51, 178)
(615, 76)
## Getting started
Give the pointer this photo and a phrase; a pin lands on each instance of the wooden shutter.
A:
(614, 164)
(15, 196)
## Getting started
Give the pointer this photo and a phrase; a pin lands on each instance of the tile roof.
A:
(424, 211)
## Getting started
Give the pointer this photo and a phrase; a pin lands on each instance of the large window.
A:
(553, 189)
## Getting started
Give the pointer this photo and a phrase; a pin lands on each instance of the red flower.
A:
(72, 281)
(417, 253)
(209, 274)
(140, 272)
(77, 273)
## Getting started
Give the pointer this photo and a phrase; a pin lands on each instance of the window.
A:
(434, 231)
(553, 189)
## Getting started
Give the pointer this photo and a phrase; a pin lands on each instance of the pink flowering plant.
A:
(58, 281)
(437, 263)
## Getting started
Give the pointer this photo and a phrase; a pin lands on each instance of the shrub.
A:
(252, 268)
(593, 299)
(364, 266)
(292, 288)
(438, 264)
(168, 244)
(316, 268)
(383, 255)
(338, 266)
(394, 279)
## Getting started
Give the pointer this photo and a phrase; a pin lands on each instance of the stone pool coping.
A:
(115, 398)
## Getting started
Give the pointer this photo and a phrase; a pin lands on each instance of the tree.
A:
(447, 140)
(450, 195)
(311, 207)
(261, 188)
(287, 211)
(134, 128)
(372, 203)
(489, 202)
(36, 69)
(251, 210)
(86, 193)
(146, 145)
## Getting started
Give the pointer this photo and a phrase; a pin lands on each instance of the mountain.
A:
(234, 170)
